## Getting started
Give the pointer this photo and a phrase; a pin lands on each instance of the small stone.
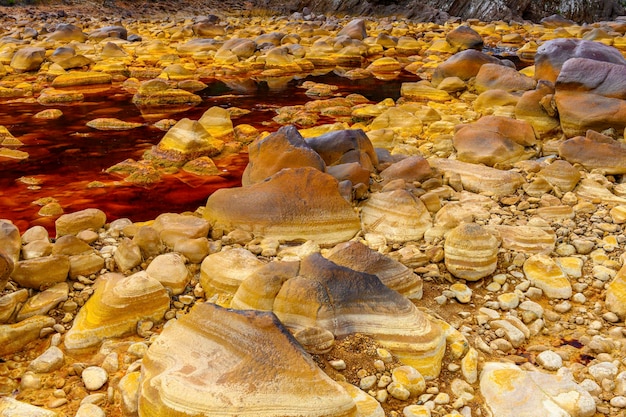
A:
(549, 360)
(382, 395)
(90, 410)
(416, 411)
(397, 390)
(384, 355)
(338, 364)
(618, 401)
(508, 301)
(563, 307)
(442, 398)
(94, 378)
(384, 381)
(367, 382)
(461, 292)
(51, 360)
(610, 317)
(603, 370)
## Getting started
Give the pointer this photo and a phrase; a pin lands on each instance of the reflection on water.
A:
(67, 159)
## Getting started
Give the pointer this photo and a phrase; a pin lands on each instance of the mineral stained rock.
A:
(235, 363)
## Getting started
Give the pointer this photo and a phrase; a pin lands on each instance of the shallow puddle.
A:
(67, 159)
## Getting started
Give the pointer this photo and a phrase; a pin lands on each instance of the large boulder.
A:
(551, 56)
(592, 76)
(285, 148)
(28, 59)
(464, 64)
(217, 361)
(608, 156)
(464, 37)
(494, 140)
(494, 76)
(284, 207)
(579, 112)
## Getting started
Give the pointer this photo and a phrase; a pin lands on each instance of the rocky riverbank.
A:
(455, 251)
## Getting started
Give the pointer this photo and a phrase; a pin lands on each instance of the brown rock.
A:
(284, 208)
(344, 146)
(580, 112)
(41, 272)
(72, 223)
(355, 29)
(464, 65)
(609, 157)
(284, 148)
(344, 301)
(357, 256)
(67, 32)
(464, 37)
(119, 32)
(494, 140)
(494, 76)
(413, 168)
(536, 107)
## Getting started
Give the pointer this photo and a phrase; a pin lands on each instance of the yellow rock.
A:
(118, 303)
(14, 337)
(471, 252)
(616, 294)
(216, 361)
(543, 272)
(469, 366)
(410, 378)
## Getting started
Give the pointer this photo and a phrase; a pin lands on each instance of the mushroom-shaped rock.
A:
(284, 148)
(283, 207)
(344, 301)
(118, 303)
(471, 252)
(216, 361)
(551, 55)
(357, 256)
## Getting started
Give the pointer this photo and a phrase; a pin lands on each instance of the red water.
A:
(65, 155)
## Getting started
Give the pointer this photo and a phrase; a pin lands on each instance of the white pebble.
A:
(618, 401)
(94, 377)
(549, 360)
(338, 364)
(90, 410)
